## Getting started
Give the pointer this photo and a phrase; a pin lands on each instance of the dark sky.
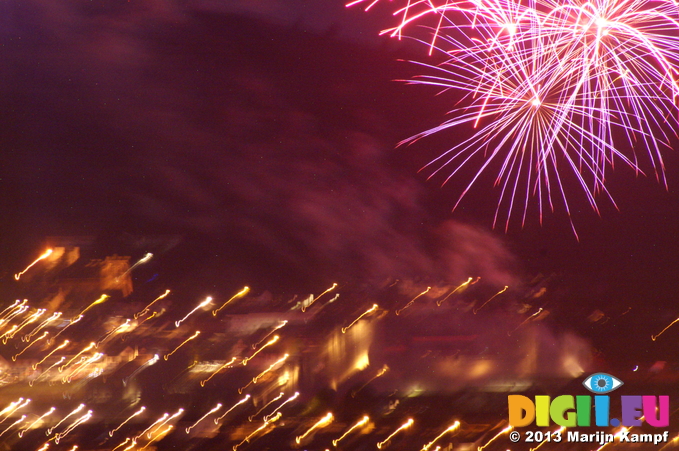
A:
(265, 132)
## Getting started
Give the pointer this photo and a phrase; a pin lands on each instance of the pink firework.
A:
(553, 90)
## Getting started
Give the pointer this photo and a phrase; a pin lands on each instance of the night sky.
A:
(265, 133)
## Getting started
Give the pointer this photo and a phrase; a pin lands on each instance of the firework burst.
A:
(554, 91)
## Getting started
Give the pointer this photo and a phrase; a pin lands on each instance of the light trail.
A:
(380, 373)
(20, 420)
(138, 412)
(260, 375)
(74, 425)
(655, 337)
(451, 428)
(84, 350)
(304, 308)
(476, 310)
(361, 423)
(118, 329)
(207, 301)
(214, 409)
(167, 356)
(281, 325)
(367, 312)
(145, 310)
(267, 344)
(47, 253)
(145, 365)
(217, 420)
(259, 429)
(14, 357)
(525, 321)
(323, 422)
(240, 294)
(399, 311)
(205, 381)
(251, 417)
(77, 409)
(405, 425)
(30, 426)
(504, 431)
(290, 399)
(39, 327)
(459, 287)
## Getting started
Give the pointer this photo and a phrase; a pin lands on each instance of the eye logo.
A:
(601, 383)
